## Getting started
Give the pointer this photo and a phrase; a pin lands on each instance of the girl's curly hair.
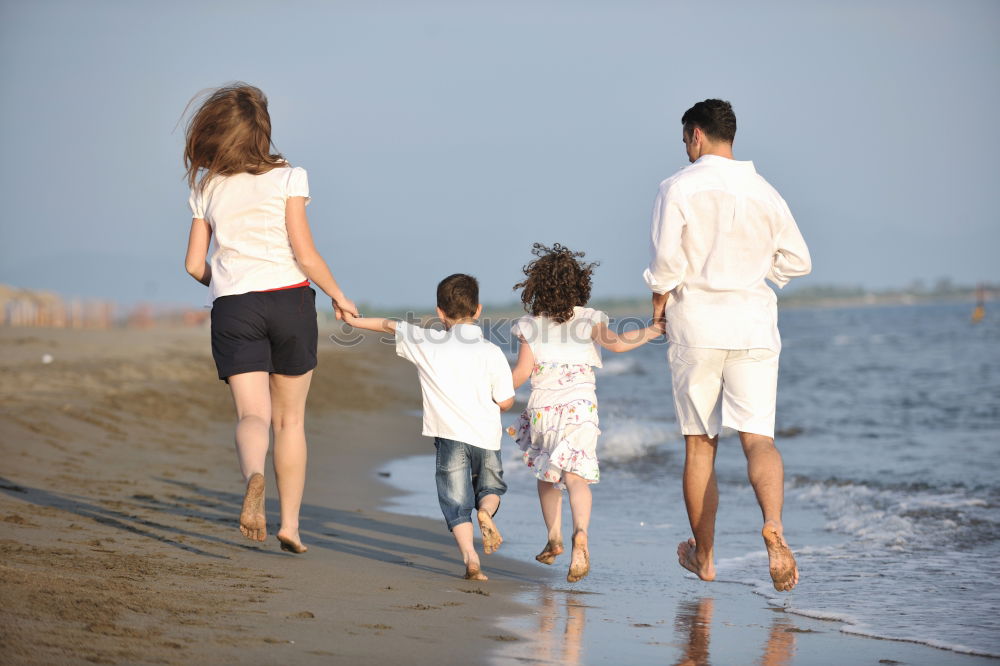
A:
(555, 282)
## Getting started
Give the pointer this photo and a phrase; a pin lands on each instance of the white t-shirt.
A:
(462, 378)
(250, 247)
(719, 231)
(568, 342)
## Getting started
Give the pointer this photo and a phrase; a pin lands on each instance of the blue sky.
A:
(448, 136)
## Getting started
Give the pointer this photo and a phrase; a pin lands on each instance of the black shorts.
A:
(268, 331)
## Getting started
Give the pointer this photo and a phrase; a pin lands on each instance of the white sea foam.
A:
(890, 517)
(620, 366)
(626, 440)
(941, 645)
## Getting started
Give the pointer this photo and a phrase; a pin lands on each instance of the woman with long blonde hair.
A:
(249, 204)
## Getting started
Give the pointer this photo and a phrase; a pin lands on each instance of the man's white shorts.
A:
(735, 388)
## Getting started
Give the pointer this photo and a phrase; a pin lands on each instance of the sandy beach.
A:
(120, 492)
(119, 499)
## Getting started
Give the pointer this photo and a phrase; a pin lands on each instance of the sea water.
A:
(889, 424)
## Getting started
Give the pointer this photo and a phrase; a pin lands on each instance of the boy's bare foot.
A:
(491, 535)
(687, 557)
(784, 572)
(579, 565)
(552, 550)
(291, 542)
(253, 524)
(472, 572)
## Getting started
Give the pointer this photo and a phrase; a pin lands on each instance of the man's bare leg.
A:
(767, 476)
(580, 502)
(701, 496)
(488, 506)
(464, 538)
(550, 498)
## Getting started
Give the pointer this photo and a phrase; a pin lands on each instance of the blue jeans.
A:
(465, 474)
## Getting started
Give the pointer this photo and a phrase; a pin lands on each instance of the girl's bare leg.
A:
(251, 396)
(288, 405)
(550, 498)
(580, 501)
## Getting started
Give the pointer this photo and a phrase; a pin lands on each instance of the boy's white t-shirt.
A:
(250, 247)
(462, 378)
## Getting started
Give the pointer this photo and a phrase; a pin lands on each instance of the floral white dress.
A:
(558, 430)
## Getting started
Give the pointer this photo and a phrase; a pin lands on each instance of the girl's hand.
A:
(344, 305)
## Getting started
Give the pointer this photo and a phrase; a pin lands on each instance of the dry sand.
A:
(119, 494)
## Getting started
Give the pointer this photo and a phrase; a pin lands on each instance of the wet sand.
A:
(119, 497)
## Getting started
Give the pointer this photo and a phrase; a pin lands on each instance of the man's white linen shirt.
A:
(462, 378)
(718, 231)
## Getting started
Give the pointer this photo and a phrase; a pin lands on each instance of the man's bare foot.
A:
(253, 524)
(472, 572)
(687, 557)
(784, 572)
(491, 535)
(552, 550)
(579, 565)
(291, 542)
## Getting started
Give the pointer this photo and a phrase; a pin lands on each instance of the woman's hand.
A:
(344, 305)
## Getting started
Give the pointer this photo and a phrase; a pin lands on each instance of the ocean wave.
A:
(623, 441)
(904, 517)
(621, 366)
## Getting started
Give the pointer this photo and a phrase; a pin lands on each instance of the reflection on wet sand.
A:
(564, 648)
(693, 625)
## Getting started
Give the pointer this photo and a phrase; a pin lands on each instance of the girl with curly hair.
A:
(561, 341)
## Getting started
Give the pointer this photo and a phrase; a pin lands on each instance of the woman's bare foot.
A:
(687, 557)
(491, 535)
(579, 565)
(253, 524)
(784, 572)
(291, 542)
(552, 550)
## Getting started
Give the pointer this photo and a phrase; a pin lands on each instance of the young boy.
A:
(466, 383)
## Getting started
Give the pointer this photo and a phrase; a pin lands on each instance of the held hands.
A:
(660, 326)
(659, 302)
(343, 307)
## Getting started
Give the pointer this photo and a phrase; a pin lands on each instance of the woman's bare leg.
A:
(288, 404)
(251, 395)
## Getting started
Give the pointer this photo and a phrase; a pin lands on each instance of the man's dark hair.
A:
(458, 296)
(715, 117)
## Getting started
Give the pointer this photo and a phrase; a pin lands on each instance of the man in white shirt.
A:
(466, 382)
(718, 231)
